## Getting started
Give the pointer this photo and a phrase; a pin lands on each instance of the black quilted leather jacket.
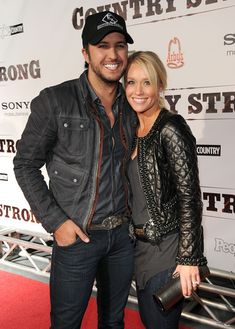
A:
(168, 170)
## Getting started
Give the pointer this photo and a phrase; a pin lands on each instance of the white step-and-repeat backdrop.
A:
(40, 45)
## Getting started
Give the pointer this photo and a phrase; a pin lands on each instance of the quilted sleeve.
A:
(180, 148)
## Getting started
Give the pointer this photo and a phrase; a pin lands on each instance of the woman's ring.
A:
(195, 283)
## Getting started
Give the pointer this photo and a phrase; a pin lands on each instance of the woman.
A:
(166, 196)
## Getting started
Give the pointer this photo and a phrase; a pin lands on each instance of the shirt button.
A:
(55, 172)
(75, 180)
(81, 125)
(65, 125)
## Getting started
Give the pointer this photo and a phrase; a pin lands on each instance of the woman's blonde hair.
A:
(154, 67)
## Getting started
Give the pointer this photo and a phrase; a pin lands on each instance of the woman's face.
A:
(141, 94)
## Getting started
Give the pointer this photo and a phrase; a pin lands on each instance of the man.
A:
(82, 131)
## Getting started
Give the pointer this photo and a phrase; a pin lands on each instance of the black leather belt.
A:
(110, 223)
(141, 235)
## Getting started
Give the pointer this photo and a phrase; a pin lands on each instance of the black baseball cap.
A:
(98, 25)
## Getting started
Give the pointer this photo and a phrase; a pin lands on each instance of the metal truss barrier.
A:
(218, 302)
(26, 250)
(213, 305)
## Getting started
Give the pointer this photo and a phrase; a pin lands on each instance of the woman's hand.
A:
(189, 278)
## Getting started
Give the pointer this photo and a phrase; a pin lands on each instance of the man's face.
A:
(108, 59)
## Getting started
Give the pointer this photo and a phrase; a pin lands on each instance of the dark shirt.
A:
(112, 199)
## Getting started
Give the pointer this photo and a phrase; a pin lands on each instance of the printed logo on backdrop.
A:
(16, 213)
(148, 11)
(7, 31)
(3, 176)
(212, 103)
(224, 247)
(229, 43)
(209, 150)
(175, 58)
(219, 204)
(20, 108)
(25, 71)
(7, 147)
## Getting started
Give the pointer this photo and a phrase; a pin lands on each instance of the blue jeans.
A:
(151, 314)
(108, 258)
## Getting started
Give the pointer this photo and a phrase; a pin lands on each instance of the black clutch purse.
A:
(171, 293)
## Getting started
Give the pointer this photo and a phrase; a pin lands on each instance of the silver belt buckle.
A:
(111, 222)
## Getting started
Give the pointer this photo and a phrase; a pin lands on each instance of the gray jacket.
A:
(64, 132)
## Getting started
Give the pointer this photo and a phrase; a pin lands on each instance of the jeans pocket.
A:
(76, 242)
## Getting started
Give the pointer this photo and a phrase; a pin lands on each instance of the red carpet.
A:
(25, 305)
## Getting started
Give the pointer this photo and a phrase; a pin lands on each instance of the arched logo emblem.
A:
(175, 56)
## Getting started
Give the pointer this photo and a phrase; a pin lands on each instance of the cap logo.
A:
(109, 20)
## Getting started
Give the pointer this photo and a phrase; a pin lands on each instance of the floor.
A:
(19, 259)
(131, 305)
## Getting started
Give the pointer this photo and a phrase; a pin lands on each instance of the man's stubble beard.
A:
(103, 78)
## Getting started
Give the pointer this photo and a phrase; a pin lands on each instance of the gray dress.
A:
(149, 259)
